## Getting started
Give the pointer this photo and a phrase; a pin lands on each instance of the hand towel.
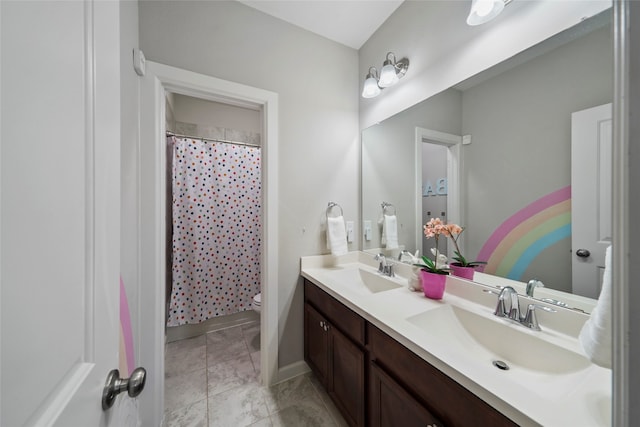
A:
(390, 232)
(596, 334)
(336, 236)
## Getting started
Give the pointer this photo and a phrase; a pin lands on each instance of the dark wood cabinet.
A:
(376, 381)
(390, 405)
(453, 404)
(346, 381)
(316, 343)
(337, 360)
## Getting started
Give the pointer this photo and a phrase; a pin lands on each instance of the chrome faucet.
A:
(386, 269)
(532, 285)
(510, 296)
(405, 253)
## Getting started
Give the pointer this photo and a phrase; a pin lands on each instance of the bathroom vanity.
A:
(391, 357)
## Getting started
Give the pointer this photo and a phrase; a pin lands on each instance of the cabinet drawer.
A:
(448, 400)
(343, 318)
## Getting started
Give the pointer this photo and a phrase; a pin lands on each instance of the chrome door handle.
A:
(583, 253)
(116, 385)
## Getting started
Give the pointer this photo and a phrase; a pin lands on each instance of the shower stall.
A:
(214, 224)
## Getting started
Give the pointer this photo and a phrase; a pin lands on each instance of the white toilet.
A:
(257, 302)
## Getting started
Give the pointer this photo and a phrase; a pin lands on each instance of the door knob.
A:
(116, 385)
(583, 253)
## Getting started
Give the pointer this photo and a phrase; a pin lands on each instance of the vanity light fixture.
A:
(371, 88)
(485, 10)
(392, 71)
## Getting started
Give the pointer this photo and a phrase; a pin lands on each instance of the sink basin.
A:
(364, 281)
(485, 339)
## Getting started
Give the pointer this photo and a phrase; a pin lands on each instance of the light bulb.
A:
(484, 10)
(484, 7)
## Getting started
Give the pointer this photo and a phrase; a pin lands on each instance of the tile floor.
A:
(213, 381)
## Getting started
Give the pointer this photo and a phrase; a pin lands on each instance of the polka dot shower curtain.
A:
(216, 229)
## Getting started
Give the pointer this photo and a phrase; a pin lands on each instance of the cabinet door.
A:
(316, 348)
(390, 405)
(346, 378)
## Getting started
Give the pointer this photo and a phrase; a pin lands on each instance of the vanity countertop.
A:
(579, 396)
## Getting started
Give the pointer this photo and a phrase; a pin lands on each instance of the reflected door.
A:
(591, 202)
(434, 191)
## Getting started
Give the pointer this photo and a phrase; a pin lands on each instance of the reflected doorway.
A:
(438, 184)
(434, 190)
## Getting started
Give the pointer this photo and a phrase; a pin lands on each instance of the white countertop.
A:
(579, 398)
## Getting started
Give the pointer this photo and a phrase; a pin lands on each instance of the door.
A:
(346, 376)
(591, 202)
(316, 343)
(391, 405)
(60, 192)
(434, 191)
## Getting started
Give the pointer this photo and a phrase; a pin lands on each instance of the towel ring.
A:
(332, 205)
(387, 206)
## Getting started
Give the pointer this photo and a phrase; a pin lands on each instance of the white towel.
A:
(390, 232)
(596, 334)
(337, 236)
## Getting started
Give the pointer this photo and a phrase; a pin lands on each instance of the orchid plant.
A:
(434, 228)
(454, 231)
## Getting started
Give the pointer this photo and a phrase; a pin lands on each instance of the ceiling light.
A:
(485, 10)
(391, 72)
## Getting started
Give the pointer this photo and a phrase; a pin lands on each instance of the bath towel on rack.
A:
(390, 231)
(336, 236)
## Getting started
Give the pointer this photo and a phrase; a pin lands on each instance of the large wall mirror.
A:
(494, 154)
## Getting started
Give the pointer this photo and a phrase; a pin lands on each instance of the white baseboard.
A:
(292, 370)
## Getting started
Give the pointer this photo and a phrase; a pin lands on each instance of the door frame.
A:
(159, 80)
(454, 181)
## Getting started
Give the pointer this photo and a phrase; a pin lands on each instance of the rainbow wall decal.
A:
(521, 238)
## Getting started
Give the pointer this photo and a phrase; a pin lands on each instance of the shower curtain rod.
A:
(226, 141)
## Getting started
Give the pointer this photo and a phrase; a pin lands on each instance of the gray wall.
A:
(520, 122)
(211, 118)
(317, 83)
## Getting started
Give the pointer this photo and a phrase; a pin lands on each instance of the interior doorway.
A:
(438, 166)
(158, 81)
(434, 190)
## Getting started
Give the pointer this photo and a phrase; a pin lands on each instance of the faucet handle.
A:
(501, 310)
(390, 271)
(531, 320)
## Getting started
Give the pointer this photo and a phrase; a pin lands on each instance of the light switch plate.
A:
(367, 230)
(350, 231)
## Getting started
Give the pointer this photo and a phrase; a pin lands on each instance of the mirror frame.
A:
(621, 214)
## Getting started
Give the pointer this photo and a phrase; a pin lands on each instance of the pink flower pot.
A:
(433, 284)
(460, 271)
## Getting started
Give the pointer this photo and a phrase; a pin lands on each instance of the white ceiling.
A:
(350, 22)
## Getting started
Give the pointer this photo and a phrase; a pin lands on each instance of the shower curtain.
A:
(216, 229)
